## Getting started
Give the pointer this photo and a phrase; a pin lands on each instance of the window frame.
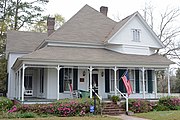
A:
(136, 35)
(69, 78)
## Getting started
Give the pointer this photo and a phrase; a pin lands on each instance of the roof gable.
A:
(123, 23)
(86, 26)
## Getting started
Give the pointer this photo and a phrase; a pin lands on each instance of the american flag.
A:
(127, 83)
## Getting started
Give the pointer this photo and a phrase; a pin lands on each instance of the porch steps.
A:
(111, 108)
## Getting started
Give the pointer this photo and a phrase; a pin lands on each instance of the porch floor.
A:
(35, 100)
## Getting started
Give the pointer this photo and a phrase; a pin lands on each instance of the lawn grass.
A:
(70, 118)
(160, 115)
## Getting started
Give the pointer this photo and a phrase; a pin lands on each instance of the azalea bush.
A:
(140, 106)
(5, 104)
(67, 107)
(168, 103)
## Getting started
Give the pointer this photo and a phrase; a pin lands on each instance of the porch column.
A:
(23, 72)
(115, 80)
(169, 87)
(16, 83)
(143, 83)
(58, 68)
(19, 84)
(90, 80)
(155, 84)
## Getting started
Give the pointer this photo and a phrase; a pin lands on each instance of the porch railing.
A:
(124, 97)
(99, 97)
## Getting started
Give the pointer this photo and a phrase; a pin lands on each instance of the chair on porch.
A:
(28, 92)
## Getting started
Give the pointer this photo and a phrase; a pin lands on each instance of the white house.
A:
(88, 49)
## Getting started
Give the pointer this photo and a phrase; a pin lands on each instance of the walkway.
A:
(126, 117)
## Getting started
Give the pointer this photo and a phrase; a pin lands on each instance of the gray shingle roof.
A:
(88, 26)
(119, 25)
(20, 41)
(93, 55)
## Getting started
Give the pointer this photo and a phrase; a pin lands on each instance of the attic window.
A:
(136, 34)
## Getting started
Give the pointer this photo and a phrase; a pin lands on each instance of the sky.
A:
(116, 8)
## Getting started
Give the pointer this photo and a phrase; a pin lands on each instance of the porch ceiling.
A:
(92, 56)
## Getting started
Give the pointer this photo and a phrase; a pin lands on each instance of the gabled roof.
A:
(86, 26)
(92, 56)
(21, 41)
(120, 25)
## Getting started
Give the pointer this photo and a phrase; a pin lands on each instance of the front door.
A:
(95, 82)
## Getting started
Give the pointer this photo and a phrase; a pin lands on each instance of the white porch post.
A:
(58, 68)
(143, 83)
(115, 80)
(169, 87)
(16, 83)
(19, 84)
(155, 84)
(23, 72)
(90, 80)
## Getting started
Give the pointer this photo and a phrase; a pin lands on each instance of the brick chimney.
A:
(50, 25)
(104, 10)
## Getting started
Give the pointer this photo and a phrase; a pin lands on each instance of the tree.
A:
(15, 14)
(25, 13)
(177, 87)
(161, 81)
(41, 26)
(167, 30)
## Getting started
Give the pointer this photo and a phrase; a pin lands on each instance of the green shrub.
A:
(161, 107)
(115, 98)
(5, 104)
(26, 115)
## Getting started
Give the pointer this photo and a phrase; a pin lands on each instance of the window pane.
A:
(136, 34)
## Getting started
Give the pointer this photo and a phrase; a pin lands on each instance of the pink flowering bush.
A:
(168, 103)
(141, 106)
(13, 109)
(78, 107)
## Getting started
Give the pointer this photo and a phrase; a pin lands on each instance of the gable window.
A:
(136, 34)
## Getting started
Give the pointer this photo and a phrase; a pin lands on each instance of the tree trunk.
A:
(16, 15)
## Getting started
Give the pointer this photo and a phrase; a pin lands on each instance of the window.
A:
(136, 34)
(28, 82)
(112, 79)
(145, 81)
(68, 75)
(153, 81)
(132, 79)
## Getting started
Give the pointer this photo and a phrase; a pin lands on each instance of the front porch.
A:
(54, 82)
(34, 100)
